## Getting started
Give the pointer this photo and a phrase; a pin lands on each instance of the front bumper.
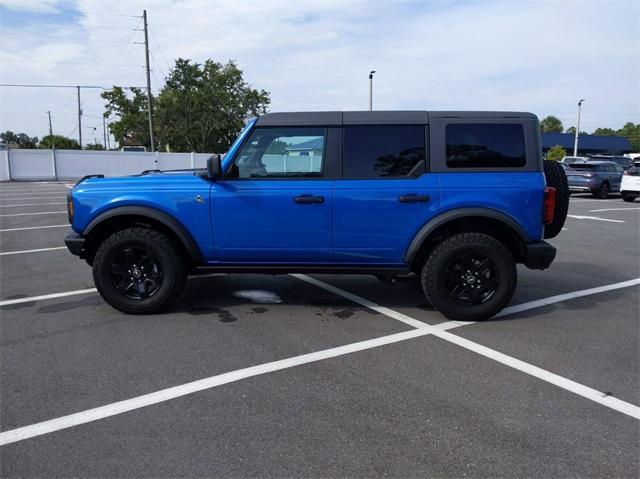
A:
(539, 255)
(75, 244)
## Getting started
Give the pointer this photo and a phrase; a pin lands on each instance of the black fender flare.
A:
(428, 228)
(167, 220)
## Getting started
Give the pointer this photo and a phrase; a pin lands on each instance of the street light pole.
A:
(50, 127)
(79, 119)
(371, 89)
(575, 142)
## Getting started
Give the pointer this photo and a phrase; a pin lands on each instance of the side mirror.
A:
(214, 166)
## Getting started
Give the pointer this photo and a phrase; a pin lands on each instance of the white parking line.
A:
(564, 297)
(8, 302)
(31, 204)
(422, 329)
(577, 217)
(38, 213)
(113, 409)
(34, 228)
(34, 193)
(6, 253)
(32, 198)
(30, 299)
(562, 382)
(613, 209)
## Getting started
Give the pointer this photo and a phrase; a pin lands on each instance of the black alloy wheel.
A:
(472, 279)
(136, 273)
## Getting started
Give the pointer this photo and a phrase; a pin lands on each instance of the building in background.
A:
(587, 144)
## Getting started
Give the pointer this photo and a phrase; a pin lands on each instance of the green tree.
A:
(551, 124)
(20, 140)
(604, 131)
(202, 107)
(130, 112)
(632, 133)
(556, 153)
(58, 142)
(94, 146)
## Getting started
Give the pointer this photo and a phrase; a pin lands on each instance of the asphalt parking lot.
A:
(254, 375)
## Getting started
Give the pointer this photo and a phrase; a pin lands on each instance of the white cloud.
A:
(532, 56)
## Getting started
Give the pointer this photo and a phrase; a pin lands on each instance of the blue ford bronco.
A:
(455, 198)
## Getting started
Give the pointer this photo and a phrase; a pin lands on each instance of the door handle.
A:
(308, 199)
(413, 198)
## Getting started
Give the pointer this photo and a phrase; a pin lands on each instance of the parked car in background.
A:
(630, 187)
(623, 161)
(596, 177)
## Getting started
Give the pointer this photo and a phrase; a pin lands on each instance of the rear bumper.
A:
(539, 255)
(75, 244)
(584, 189)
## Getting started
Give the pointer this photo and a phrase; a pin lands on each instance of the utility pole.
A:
(50, 127)
(371, 89)
(104, 132)
(149, 101)
(575, 142)
(79, 119)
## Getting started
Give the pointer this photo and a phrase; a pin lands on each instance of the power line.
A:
(49, 37)
(62, 63)
(153, 37)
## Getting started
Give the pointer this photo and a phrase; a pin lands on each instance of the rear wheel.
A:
(602, 192)
(138, 270)
(469, 277)
(629, 198)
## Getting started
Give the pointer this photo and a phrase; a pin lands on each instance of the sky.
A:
(538, 56)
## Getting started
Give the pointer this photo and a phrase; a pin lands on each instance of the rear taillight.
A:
(549, 205)
(626, 173)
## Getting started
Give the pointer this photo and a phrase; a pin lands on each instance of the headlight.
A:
(70, 207)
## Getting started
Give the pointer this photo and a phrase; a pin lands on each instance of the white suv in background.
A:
(630, 186)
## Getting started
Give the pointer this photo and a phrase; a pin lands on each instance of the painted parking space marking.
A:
(31, 204)
(43, 297)
(595, 218)
(30, 198)
(40, 250)
(34, 228)
(32, 214)
(564, 297)
(113, 409)
(9, 302)
(547, 376)
(613, 209)
(421, 329)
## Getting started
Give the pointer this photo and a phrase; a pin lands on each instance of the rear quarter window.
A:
(471, 145)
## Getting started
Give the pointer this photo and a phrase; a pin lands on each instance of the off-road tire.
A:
(557, 178)
(169, 256)
(433, 276)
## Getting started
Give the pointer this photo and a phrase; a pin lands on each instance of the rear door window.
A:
(384, 151)
(477, 145)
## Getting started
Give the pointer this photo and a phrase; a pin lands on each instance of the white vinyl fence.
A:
(18, 164)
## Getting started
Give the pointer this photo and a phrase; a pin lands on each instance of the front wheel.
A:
(138, 270)
(469, 277)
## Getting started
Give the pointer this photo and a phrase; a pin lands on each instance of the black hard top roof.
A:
(400, 117)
